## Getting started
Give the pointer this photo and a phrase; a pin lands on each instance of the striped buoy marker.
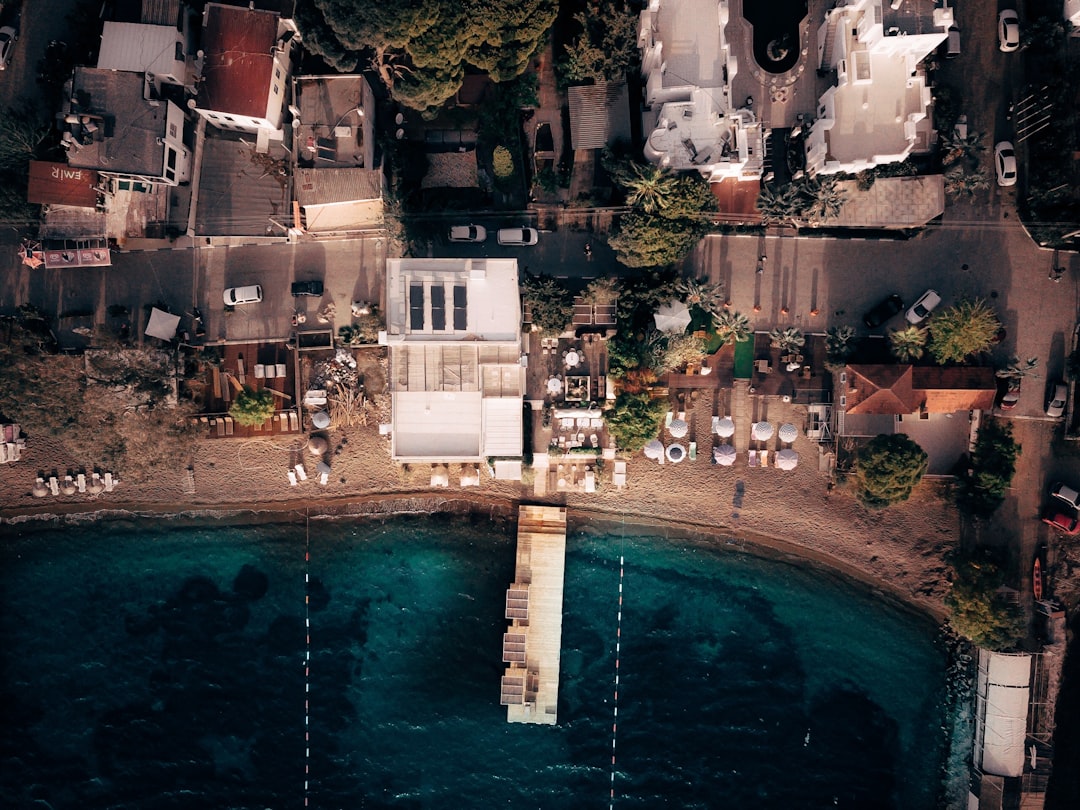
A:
(307, 659)
(615, 717)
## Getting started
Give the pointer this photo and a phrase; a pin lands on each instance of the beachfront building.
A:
(878, 110)
(691, 121)
(453, 328)
(246, 70)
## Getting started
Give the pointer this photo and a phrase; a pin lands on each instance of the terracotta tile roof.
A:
(239, 65)
(956, 388)
(900, 389)
(879, 389)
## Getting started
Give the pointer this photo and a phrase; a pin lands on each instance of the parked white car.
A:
(1005, 163)
(1059, 396)
(518, 236)
(243, 295)
(468, 233)
(1066, 493)
(1008, 30)
(922, 308)
(8, 37)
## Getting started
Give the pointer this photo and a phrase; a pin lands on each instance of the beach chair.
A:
(82, 482)
(240, 374)
(280, 370)
(54, 485)
(715, 424)
(763, 457)
(292, 477)
(109, 483)
(294, 422)
(693, 451)
(667, 419)
(324, 478)
(618, 475)
(753, 458)
(260, 371)
(229, 425)
(590, 480)
(220, 428)
(301, 473)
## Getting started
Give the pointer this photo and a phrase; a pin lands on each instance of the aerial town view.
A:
(540, 403)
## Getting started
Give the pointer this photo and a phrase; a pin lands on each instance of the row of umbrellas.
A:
(763, 431)
(786, 459)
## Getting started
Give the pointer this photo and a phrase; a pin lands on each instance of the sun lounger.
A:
(301, 473)
(260, 371)
(221, 428)
(294, 422)
(82, 482)
(667, 419)
(324, 478)
(763, 456)
(590, 481)
(583, 421)
(596, 422)
(693, 451)
(292, 477)
(54, 485)
(240, 375)
(618, 475)
(715, 423)
(280, 370)
(228, 425)
(753, 458)
(109, 483)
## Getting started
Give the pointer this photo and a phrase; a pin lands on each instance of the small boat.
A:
(1037, 579)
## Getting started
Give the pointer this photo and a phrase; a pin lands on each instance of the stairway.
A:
(832, 26)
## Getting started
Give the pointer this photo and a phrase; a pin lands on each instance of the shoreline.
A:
(389, 505)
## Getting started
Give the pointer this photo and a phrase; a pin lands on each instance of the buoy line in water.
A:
(615, 717)
(307, 657)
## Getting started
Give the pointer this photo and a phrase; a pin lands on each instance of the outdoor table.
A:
(572, 358)
(554, 385)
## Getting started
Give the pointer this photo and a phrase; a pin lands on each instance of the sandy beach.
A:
(898, 550)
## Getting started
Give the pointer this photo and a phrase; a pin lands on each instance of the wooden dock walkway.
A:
(532, 644)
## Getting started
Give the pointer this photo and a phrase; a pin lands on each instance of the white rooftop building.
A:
(692, 123)
(453, 327)
(878, 110)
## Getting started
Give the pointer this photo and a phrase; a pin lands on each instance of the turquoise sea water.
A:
(152, 665)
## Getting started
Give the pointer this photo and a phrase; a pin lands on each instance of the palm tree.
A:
(958, 181)
(1017, 370)
(838, 348)
(957, 148)
(778, 205)
(823, 200)
(649, 187)
(704, 294)
(908, 344)
(732, 327)
(787, 340)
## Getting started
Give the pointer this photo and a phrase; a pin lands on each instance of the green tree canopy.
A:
(550, 302)
(421, 48)
(252, 406)
(634, 420)
(650, 241)
(968, 328)
(887, 469)
(977, 611)
(993, 464)
(908, 344)
(606, 47)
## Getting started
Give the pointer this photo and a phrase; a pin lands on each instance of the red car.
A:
(1062, 518)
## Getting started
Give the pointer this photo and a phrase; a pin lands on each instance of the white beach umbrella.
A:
(725, 427)
(787, 459)
(40, 490)
(676, 453)
(724, 455)
(674, 316)
(762, 431)
(678, 428)
(654, 449)
(788, 433)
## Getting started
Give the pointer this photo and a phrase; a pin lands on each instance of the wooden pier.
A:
(533, 642)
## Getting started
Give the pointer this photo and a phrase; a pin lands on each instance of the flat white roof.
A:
(437, 425)
(692, 39)
(1004, 686)
(502, 423)
(423, 295)
(140, 48)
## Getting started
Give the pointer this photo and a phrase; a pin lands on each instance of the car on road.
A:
(922, 308)
(1011, 397)
(1005, 163)
(243, 295)
(1066, 493)
(1061, 518)
(1008, 30)
(1059, 395)
(468, 233)
(8, 37)
(517, 236)
(313, 287)
(883, 311)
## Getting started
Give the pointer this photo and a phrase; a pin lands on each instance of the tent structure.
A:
(1003, 688)
(162, 325)
(674, 316)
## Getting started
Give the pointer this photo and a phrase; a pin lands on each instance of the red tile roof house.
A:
(246, 69)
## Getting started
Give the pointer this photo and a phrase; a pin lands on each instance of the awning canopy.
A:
(162, 325)
(1003, 690)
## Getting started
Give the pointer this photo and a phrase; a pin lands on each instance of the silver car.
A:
(243, 295)
(517, 236)
(8, 37)
(1059, 395)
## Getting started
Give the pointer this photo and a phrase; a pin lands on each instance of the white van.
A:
(952, 44)
(517, 236)
(243, 295)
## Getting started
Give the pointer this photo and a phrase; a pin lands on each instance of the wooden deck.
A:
(259, 366)
(533, 643)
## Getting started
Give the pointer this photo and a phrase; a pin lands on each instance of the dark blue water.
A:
(154, 666)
